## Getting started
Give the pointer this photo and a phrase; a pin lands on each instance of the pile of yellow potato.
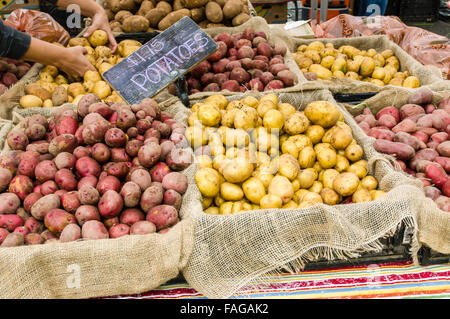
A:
(54, 88)
(327, 62)
(259, 154)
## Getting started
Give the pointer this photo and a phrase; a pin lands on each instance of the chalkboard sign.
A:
(160, 61)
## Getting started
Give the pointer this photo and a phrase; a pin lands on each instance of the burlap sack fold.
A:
(236, 250)
(434, 224)
(94, 268)
(11, 97)
(429, 76)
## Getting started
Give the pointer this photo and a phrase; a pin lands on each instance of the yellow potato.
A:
(328, 177)
(346, 183)
(316, 46)
(316, 187)
(206, 202)
(77, 99)
(203, 161)
(88, 86)
(103, 53)
(254, 190)
(50, 69)
(288, 166)
(359, 170)
(217, 99)
(75, 89)
(225, 208)
(270, 201)
(296, 123)
(342, 163)
(361, 196)
(301, 141)
(105, 66)
(250, 101)
(340, 139)
(30, 101)
(322, 113)
(46, 77)
(369, 183)
(317, 167)
(289, 147)
(411, 82)
(265, 178)
(60, 79)
(245, 118)
(286, 109)
(218, 200)
(313, 197)
(212, 210)
(92, 76)
(315, 133)
(265, 106)
(78, 41)
(237, 170)
(307, 157)
(98, 38)
(208, 115)
(273, 119)
(208, 183)
(326, 157)
(231, 192)
(329, 196)
(282, 187)
(272, 97)
(307, 177)
(354, 152)
(228, 118)
(101, 89)
(375, 194)
(299, 195)
(290, 205)
(47, 103)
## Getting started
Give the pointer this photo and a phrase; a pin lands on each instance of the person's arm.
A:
(69, 60)
(13, 43)
(98, 15)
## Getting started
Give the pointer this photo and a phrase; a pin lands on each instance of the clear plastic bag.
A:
(38, 24)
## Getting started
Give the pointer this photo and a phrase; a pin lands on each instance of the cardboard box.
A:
(272, 12)
(8, 6)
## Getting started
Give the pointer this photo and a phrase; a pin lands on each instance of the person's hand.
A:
(100, 22)
(74, 63)
(448, 4)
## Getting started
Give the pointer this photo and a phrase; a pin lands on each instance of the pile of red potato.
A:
(11, 71)
(101, 171)
(244, 61)
(417, 134)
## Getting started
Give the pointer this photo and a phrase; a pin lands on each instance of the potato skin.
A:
(131, 193)
(85, 213)
(93, 229)
(135, 24)
(173, 17)
(71, 232)
(57, 219)
(110, 204)
(213, 12)
(162, 216)
(142, 227)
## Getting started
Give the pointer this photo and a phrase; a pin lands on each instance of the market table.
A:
(388, 280)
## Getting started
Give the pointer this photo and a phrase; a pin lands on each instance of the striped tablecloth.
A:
(392, 280)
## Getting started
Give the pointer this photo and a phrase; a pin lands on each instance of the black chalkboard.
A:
(160, 61)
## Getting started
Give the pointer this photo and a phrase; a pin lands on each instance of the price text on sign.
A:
(160, 61)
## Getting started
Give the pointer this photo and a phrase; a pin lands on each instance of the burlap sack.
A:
(95, 268)
(429, 76)
(10, 98)
(231, 251)
(434, 224)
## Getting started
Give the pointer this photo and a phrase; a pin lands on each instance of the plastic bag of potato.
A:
(54, 88)
(260, 154)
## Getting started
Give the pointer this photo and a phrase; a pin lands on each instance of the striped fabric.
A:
(392, 280)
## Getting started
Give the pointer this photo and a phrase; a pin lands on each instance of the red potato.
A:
(101, 108)
(179, 158)
(35, 132)
(45, 171)
(4, 233)
(17, 139)
(27, 165)
(401, 164)
(119, 169)
(163, 128)
(85, 213)
(28, 201)
(43, 205)
(266, 78)
(224, 37)
(212, 87)
(10, 221)
(143, 227)
(279, 49)
(172, 198)
(110, 204)
(65, 160)
(37, 119)
(5, 178)
(87, 166)
(152, 196)
(93, 229)
(110, 222)
(220, 79)
(274, 85)
(57, 219)
(88, 195)
(175, 181)
(264, 49)
(162, 216)
(220, 53)
(152, 132)
(421, 136)
(159, 171)
(149, 154)
(9, 79)
(60, 192)
(440, 137)
(207, 78)
(239, 75)
(407, 126)
(143, 125)
(108, 183)
(40, 147)
(233, 64)
(89, 180)
(387, 121)
(66, 180)
(444, 149)
(12, 240)
(131, 194)
(119, 155)
(249, 34)
(119, 230)
(242, 43)
(429, 108)
(48, 187)
(420, 166)
(8, 162)
(256, 85)
(247, 64)
(33, 239)
(365, 127)
(287, 77)
(437, 174)
(444, 115)
(70, 201)
(22, 230)
(245, 52)
(443, 202)
(66, 125)
(410, 140)
(276, 68)
(115, 137)
(131, 216)
(408, 110)
(219, 67)
(85, 102)
(81, 151)
(230, 85)
(21, 185)
(400, 150)
(141, 177)
(63, 143)
(201, 68)
(132, 132)
(71, 232)
(432, 192)
(125, 119)
(427, 130)
(101, 153)
(421, 96)
(444, 162)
